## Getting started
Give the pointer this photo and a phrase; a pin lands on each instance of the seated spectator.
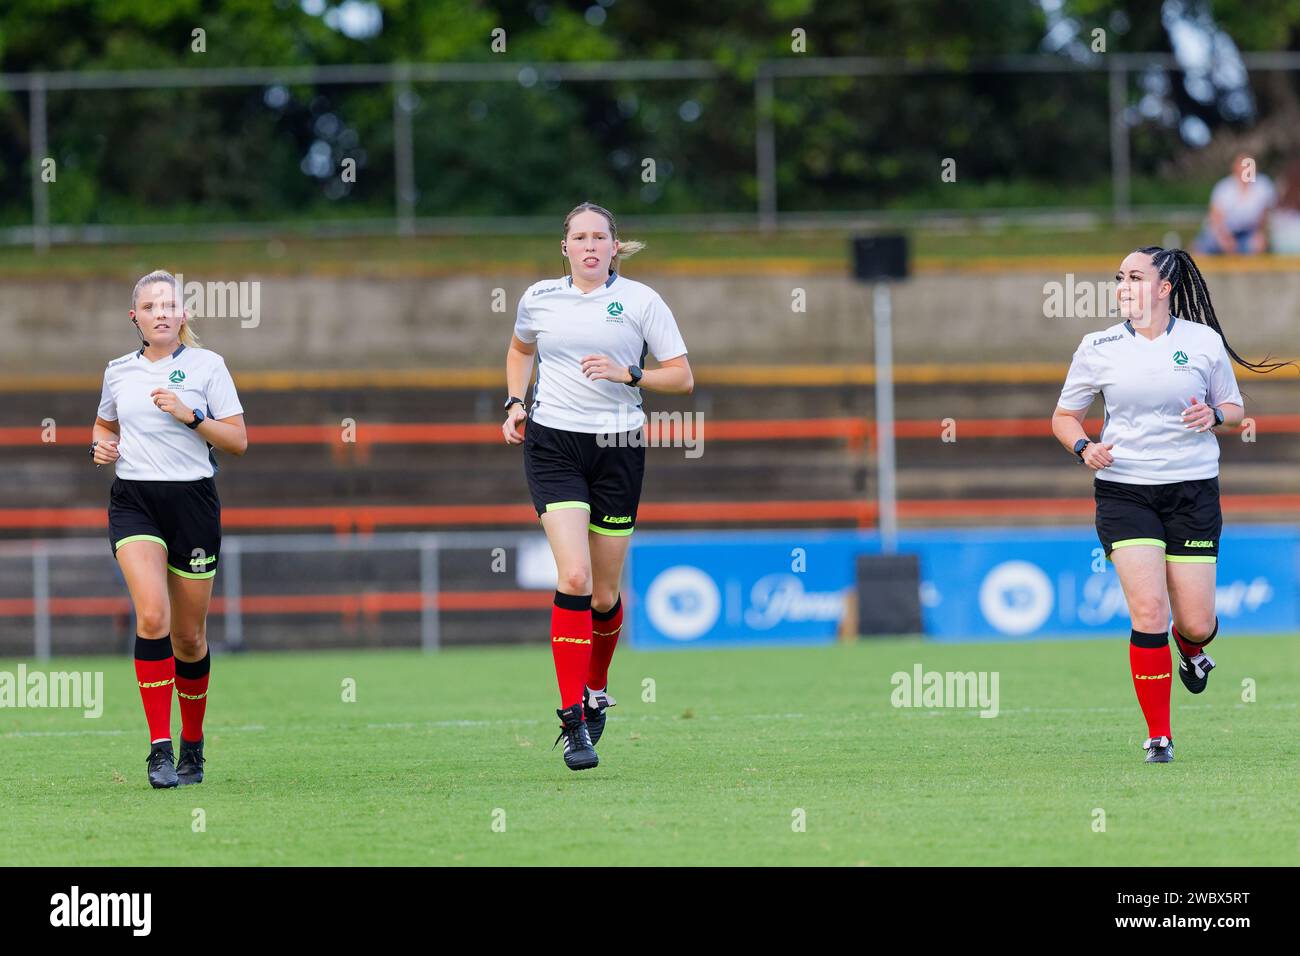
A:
(1239, 207)
(1284, 221)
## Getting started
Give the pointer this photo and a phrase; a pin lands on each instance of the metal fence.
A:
(399, 77)
(40, 581)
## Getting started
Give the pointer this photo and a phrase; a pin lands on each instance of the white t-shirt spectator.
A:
(1243, 209)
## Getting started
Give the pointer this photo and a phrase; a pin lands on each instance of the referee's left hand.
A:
(600, 366)
(1198, 415)
(173, 406)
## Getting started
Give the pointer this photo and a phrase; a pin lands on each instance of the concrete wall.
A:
(74, 327)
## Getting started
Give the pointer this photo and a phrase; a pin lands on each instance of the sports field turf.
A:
(711, 772)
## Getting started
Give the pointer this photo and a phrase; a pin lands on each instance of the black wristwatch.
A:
(636, 373)
(513, 401)
(1218, 416)
(1080, 445)
(198, 420)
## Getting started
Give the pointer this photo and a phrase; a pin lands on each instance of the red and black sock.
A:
(192, 691)
(571, 644)
(155, 672)
(1192, 648)
(1152, 666)
(605, 628)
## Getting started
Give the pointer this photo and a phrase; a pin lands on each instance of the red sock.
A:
(1152, 667)
(192, 691)
(1191, 648)
(155, 672)
(571, 644)
(605, 628)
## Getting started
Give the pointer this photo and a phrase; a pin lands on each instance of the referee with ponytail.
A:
(164, 407)
(584, 447)
(1165, 375)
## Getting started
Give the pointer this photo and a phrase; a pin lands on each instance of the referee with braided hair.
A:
(1165, 375)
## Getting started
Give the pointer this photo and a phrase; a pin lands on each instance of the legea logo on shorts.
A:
(683, 603)
(177, 377)
(1016, 597)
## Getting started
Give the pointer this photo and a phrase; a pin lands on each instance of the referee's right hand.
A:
(513, 426)
(105, 452)
(1097, 456)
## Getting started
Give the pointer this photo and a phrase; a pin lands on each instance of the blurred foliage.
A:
(535, 145)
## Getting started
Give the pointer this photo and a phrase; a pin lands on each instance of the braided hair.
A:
(1190, 298)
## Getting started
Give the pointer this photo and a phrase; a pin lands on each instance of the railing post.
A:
(41, 600)
(404, 151)
(1120, 172)
(765, 148)
(430, 631)
(40, 149)
(232, 590)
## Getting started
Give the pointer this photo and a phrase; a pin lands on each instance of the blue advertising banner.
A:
(789, 587)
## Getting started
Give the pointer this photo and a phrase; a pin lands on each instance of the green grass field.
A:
(711, 772)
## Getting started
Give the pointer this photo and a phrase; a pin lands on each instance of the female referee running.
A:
(163, 407)
(1166, 379)
(584, 454)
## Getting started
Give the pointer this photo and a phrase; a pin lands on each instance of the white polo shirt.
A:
(153, 445)
(1146, 384)
(623, 319)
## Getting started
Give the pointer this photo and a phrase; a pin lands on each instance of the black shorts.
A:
(1182, 517)
(182, 516)
(574, 470)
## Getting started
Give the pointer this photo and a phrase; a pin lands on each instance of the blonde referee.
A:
(163, 409)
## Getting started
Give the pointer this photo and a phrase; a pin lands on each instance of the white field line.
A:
(902, 712)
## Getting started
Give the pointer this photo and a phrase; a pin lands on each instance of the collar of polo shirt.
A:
(1133, 332)
(140, 353)
(608, 282)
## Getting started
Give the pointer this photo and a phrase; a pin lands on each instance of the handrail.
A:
(853, 430)
(365, 519)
